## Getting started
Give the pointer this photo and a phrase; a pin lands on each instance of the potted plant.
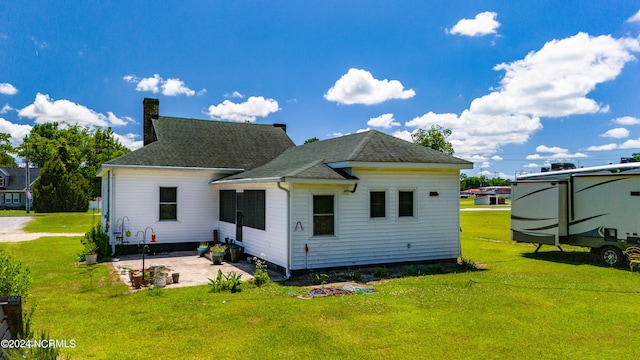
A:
(90, 251)
(203, 248)
(217, 253)
(136, 278)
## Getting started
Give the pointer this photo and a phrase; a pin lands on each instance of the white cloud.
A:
(255, 106)
(404, 135)
(474, 133)
(617, 133)
(155, 83)
(8, 89)
(16, 131)
(173, 87)
(129, 140)
(630, 144)
(606, 147)
(130, 78)
(554, 149)
(362, 130)
(532, 165)
(359, 87)
(483, 24)
(6, 108)
(149, 84)
(560, 154)
(635, 18)
(550, 82)
(564, 155)
(383, 121)
(554, 81)
(338, 134)
(45, 109)
(496, 158)
(234, 94)
(627, 120)
(478, 158)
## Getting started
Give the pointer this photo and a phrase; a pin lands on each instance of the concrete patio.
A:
(193, 269)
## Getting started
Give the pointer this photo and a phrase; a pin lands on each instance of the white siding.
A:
(433, 233)
(136, 195)
(271, 243)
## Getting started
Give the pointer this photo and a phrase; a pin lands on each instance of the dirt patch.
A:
(372, 274)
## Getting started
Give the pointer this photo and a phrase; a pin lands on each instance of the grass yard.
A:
(521, 306)
(57, 222)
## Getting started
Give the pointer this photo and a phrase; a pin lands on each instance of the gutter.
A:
(159, 167)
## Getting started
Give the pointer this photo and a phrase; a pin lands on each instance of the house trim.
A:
(397, 165)
(285, 179)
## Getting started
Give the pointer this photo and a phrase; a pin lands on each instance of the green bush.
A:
(14, 277)
(230, 282)
(381, 273)
(95, 240)
(260, 276)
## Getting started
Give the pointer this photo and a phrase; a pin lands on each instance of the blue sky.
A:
(520, 84)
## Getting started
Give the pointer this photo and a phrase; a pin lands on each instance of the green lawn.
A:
(521, 306)
(57, 222)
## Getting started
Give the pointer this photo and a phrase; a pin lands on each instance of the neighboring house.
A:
(13, 187)
(361, 199)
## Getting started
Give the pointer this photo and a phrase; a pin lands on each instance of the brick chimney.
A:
(150, 110)
(281, 126)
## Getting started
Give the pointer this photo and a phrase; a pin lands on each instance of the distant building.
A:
(13, 187)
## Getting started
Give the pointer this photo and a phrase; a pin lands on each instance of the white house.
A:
(367, 198)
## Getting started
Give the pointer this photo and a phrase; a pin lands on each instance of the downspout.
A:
(111, 209)
(288, 274)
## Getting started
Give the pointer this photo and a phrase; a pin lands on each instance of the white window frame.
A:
(415, 202)
(386, 205)
(335, 214)
(8, 198)
(176, 203)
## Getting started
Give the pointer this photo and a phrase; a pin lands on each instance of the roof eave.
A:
(105, 167)
(398, 165)
(287, 179)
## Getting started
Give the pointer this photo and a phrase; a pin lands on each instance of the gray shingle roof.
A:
(17, 178)
(208, 144)
(309, 160)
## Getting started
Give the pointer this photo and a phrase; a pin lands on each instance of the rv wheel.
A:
(611, 256)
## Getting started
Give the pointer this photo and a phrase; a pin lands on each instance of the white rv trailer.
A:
(596, 207)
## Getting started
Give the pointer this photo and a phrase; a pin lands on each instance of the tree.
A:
(636, 156)
(59, 189)
(435, 138)
(474, 182)
(6, 160)
(85, 149)
(69, 159)
(310, 140)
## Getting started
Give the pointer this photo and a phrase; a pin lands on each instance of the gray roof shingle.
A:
(309, 160)
(17, 178)
(208, 144)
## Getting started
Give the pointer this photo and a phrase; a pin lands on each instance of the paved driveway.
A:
(11, 230)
